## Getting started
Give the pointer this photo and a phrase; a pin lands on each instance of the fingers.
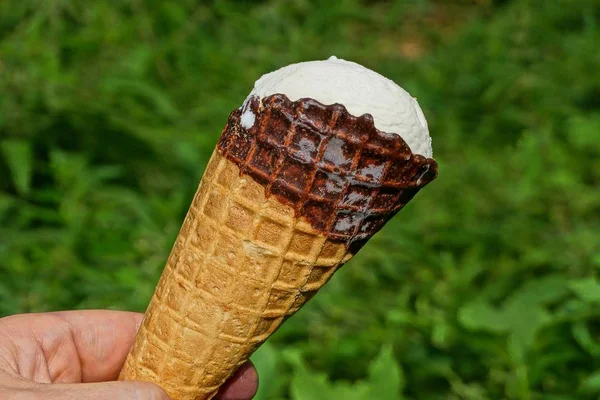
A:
(104, 391)
(102, 339)
(70, 346)
(242, 385)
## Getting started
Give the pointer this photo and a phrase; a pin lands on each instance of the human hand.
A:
(78, 355)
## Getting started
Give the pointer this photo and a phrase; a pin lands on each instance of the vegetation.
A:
(484, 287)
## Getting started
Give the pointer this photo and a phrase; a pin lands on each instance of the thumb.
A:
(126, 390)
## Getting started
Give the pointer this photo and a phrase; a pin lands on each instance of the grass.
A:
(486, 286)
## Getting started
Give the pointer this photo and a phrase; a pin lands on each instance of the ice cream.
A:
(313, 164)
(359, 89)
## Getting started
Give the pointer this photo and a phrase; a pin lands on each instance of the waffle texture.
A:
(242, 264)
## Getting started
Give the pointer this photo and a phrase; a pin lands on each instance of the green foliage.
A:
(384, 380)
(19, 158)
(486, 286)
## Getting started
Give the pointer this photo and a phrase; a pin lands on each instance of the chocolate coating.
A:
(338, 171)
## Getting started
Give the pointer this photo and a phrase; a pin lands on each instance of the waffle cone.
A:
(241, 264)
(281, 206)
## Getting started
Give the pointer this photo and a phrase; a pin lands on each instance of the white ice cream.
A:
(358, 88)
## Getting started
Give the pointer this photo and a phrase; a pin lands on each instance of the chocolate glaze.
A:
(346, 177)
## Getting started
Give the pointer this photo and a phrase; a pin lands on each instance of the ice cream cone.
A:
(283, 203)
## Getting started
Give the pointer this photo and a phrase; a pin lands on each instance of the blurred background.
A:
(484, 287)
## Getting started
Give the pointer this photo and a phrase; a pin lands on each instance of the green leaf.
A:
(386, 378)
(19, 158)
(539, 292)
(310, 386)
(524, 325)
(480, 315)
(583, 336)
(6, 203)
(587, 289)
(591, 384)
(69, 170)
(348, 391)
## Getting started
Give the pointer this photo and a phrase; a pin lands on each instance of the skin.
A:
(78, 355)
